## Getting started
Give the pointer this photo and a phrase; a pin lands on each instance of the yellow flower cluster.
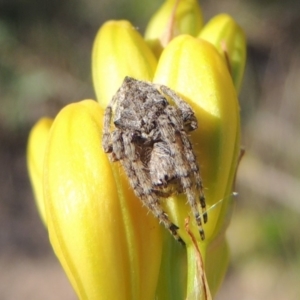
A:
(107, 242)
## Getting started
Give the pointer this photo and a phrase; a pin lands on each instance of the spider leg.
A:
(189, 120)
(106, 139)
(117, 145)
(141, 184)
(191, 158)
(173, 137)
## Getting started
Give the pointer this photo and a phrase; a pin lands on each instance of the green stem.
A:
(197, 287)
(172, 276)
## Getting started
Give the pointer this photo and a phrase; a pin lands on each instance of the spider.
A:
(149, 138)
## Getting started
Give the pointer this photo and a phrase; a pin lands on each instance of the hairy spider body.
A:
(149, 138)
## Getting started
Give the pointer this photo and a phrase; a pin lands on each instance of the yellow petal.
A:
(36, 147)
(229, 39)
(107, 242)
(119, 51)
(194, 69)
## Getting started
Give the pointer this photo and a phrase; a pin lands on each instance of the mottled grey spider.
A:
(149, 138)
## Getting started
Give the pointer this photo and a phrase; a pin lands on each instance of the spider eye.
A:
(161, 101)
(137, 138)
(164, 102)
(118, 123)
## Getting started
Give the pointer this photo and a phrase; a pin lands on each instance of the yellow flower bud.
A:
(105, 239)
(194, 69)
(119, 51)
(173, 18)
(37, 143)
(228, 37)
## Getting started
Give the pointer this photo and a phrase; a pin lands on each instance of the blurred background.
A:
(45, 49)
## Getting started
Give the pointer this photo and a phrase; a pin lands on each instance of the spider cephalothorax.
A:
(149, 138)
